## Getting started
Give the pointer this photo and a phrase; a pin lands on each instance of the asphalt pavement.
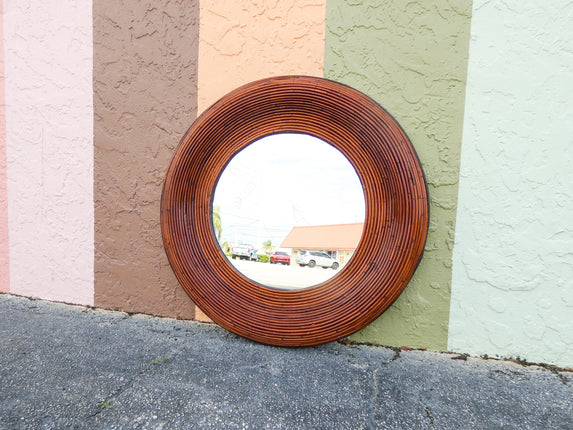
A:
(71, 367)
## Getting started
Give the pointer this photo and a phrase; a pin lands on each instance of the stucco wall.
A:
(513, 258)
(411, 57)
(245, 41)
(4, 248)
(96, 100)
(145, 97)
(48, 93)
(241, 42)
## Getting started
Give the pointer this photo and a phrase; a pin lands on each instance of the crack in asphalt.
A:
(129, 383)
(375, 389)
(431, 417)
(147, 370)
(107, 401)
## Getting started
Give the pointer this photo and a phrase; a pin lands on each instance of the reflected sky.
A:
(285, 180)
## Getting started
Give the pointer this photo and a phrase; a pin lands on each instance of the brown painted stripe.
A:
(145, 97)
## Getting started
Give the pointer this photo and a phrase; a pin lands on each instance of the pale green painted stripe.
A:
(412, 59)
(512, 292)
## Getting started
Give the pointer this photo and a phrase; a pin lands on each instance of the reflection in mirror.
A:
(288, 211)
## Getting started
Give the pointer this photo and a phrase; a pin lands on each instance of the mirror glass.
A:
(288, 211)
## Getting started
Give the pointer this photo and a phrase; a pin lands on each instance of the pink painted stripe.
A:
(48, 53)
(4, 246)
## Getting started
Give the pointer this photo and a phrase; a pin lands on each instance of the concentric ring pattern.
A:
(395, 226)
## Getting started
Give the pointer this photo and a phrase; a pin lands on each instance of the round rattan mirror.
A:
(395, 224)
(288, 211)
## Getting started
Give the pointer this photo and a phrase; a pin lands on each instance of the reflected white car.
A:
(316, 258)
(244, 252)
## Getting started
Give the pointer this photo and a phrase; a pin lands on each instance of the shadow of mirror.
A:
(288, 211)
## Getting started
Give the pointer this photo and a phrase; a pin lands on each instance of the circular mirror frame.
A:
(395, 226)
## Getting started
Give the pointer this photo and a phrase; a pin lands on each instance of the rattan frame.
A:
(396, 218)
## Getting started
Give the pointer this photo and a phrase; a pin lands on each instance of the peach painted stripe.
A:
(4, 254)
(48, 57)
(244, 41)
(240, 42)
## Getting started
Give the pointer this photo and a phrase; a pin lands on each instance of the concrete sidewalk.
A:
(71, 367)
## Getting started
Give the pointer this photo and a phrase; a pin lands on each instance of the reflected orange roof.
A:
(334, 236)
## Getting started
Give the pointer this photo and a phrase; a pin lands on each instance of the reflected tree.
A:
(268, 246)
(217, 225)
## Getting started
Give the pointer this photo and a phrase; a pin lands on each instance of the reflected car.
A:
(280, 257)
(244, 252)
(316, 258)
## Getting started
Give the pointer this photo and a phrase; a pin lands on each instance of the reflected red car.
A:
(280, 257)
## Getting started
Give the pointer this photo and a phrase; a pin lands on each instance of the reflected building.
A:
(338, 240)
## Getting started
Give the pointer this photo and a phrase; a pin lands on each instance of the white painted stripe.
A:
(49, 134)
(512, 280)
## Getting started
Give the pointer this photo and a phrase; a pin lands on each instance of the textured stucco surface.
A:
(4, 249)
(411, 57)
(245, 41)
(145, 97)
(94, 101)
(241, 42)
(512, 291)
(49, 129)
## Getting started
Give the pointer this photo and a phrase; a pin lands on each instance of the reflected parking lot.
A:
(283, 277)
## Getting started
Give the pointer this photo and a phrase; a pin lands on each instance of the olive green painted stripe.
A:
(412, 59)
